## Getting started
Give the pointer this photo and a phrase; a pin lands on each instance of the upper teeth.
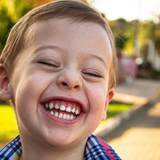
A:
(62, 108)
(56, 106)
(68, 109)
(50, 105)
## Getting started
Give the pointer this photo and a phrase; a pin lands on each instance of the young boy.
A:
(57, 70)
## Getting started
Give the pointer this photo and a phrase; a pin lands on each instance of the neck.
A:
(39, 152)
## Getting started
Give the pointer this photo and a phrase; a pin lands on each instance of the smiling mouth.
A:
(62, 111)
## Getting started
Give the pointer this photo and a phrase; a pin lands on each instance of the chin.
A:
(59, 140)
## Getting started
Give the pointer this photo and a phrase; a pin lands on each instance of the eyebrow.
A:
(99, 58)
(48, 47)
(63, 50)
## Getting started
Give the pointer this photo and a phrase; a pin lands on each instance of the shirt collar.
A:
(93, 149)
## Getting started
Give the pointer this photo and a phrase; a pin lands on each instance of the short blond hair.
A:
(74, 9)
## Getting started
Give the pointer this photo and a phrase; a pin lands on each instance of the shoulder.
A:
(108, 150)
(96, 148)
(11, 150)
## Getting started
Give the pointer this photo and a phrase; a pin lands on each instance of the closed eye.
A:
(93, 74)
(49, 63)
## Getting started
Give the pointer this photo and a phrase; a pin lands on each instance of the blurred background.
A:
(136, 27)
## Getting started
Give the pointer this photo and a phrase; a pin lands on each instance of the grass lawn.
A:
(115, 108)
(8, 126)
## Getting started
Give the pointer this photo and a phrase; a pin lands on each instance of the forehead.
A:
(66, 31)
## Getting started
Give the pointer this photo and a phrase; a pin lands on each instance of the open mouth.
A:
(63, 111)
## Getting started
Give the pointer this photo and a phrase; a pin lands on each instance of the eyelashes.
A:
(91, 73)
(48, 63)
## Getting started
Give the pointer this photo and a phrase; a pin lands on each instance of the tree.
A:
(123, 32)
(157, 35)
(10, 12)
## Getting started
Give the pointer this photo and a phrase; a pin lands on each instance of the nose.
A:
(70, 80)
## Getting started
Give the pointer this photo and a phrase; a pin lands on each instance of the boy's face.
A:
(67, 66)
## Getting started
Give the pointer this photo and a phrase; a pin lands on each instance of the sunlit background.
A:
(136, 26)
(128, 9)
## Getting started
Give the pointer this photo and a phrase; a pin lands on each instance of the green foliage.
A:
(157, 36)
(126, 33)
(5, 25)
(123, 31)
(10, 12)
(156, 74)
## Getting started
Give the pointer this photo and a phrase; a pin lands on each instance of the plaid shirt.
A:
(96, 149)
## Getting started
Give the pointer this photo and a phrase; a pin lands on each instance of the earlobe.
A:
(108, 99)
(4, 84)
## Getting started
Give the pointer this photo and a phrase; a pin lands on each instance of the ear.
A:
(108, 99)
(4, 84)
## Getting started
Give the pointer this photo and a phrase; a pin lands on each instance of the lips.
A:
(63, 109)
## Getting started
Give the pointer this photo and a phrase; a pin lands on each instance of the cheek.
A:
(97, 101)
(97, 95)
(27, 94)
(96, 98)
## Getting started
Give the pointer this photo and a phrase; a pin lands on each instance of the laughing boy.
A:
(58, 72)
